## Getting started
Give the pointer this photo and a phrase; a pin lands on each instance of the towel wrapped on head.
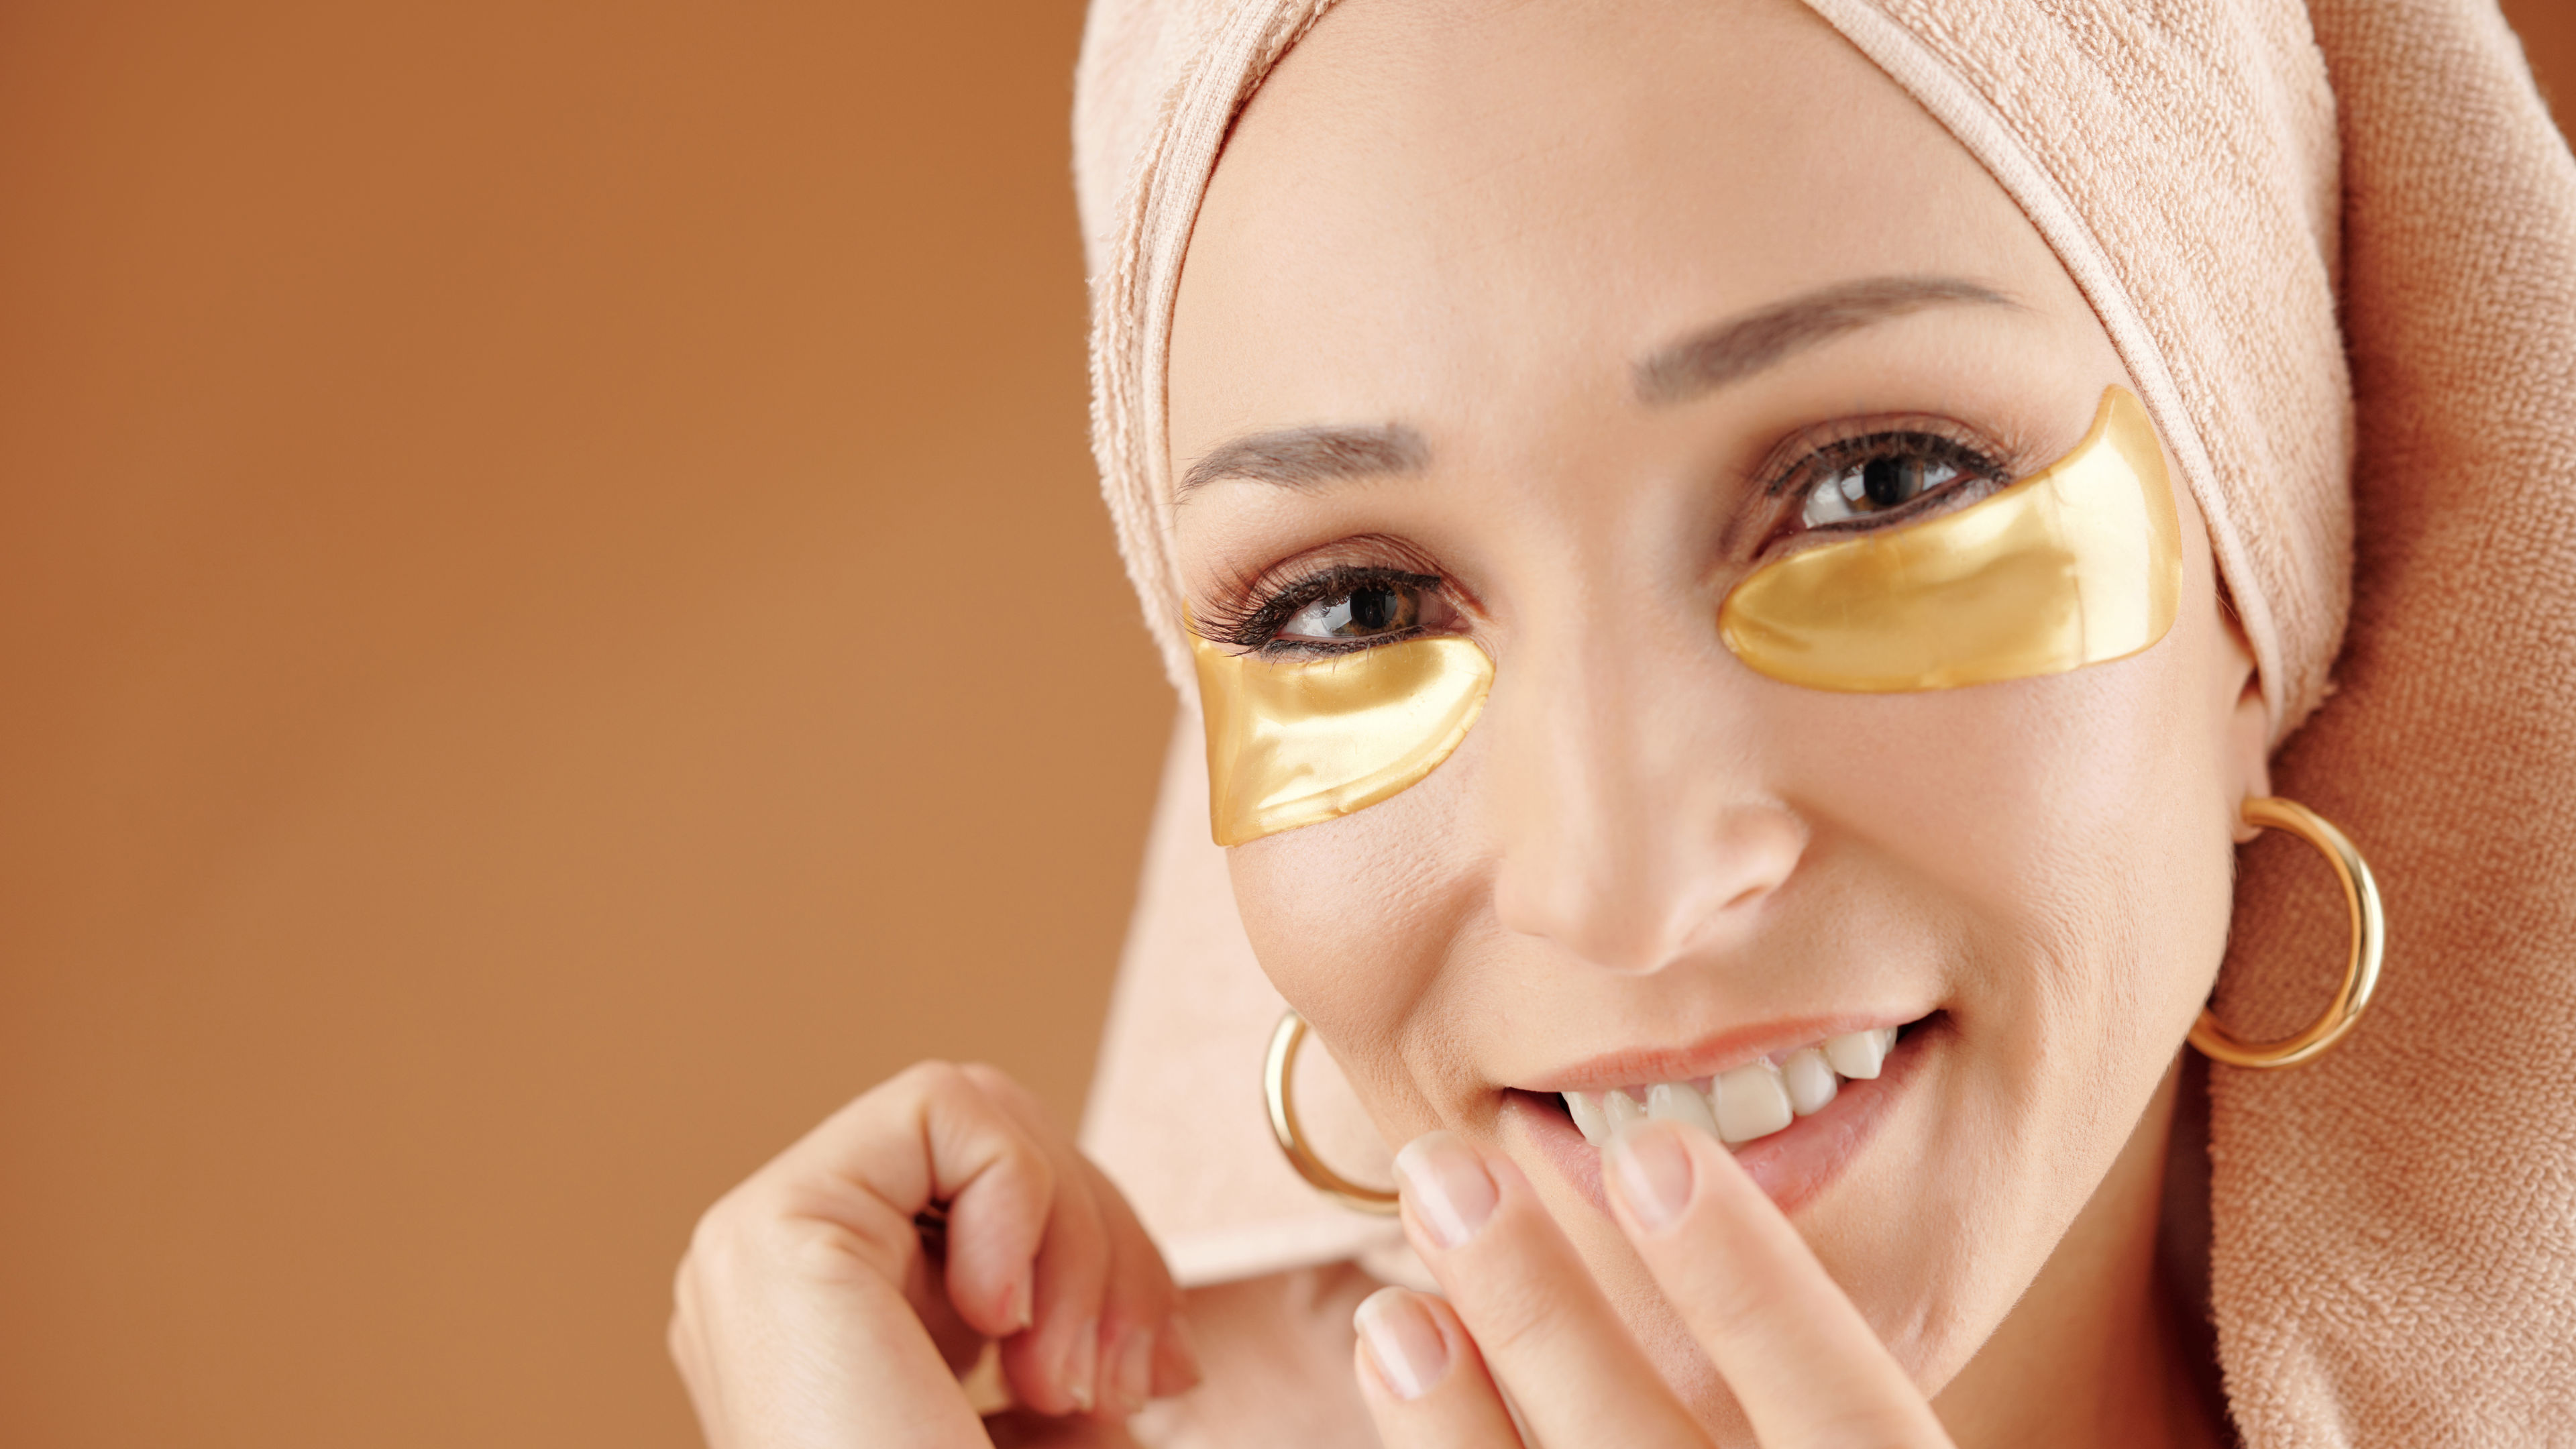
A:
(2335, 245)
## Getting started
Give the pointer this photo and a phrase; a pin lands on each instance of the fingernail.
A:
(1404, 1345)
(1135, 1373)
(1653, 1172)
(1024, 1304)
(1082, 1365)
(1447, 1185)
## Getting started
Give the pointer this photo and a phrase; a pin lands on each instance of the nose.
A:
(1633, 828)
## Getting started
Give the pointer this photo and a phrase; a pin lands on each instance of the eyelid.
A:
(1807, 447)
(1251, 609)
(1803, 459)
(1297, 598)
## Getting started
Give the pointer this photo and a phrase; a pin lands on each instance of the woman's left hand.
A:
(1523, 1311)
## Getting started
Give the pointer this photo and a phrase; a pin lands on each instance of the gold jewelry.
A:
(2360, 973)
(1284, 1041)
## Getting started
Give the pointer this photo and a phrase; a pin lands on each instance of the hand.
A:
(1801, 1361)
(811, 1311)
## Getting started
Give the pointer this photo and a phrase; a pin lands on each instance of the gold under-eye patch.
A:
(1295, 742)
(2078, 564)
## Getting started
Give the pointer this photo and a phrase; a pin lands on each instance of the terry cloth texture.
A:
(2335, 245)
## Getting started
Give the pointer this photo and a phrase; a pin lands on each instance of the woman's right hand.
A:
(1524, 1317)
(836, 1295)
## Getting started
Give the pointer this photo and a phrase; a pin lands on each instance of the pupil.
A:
(1887, 481)
(1372, 608)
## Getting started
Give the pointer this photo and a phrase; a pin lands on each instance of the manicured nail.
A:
(1082, 1365)
(1653, 1171)
(1135, 1371)
(1448, 1186)
(1404, 1345)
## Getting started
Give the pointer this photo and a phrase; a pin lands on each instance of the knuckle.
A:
(998, 1084)
(931, 1080)
(708, 1238)
(675, 1340)
(1733, 1304)
(1510, 1311)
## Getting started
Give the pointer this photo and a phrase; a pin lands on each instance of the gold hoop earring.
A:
(2360, 973)
(1285, 1038)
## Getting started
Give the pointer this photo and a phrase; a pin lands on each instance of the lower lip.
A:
(1791, 1165)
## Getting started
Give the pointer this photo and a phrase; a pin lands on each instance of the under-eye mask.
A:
(2080, 563)
(1298, 741)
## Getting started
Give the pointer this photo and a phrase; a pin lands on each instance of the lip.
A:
(1791, 1166)
(1641, 1066)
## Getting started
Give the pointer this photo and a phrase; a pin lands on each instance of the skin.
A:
(1472, 226)
(1643, 844)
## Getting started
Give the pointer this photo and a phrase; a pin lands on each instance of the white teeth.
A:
(1621, 1109)
(1585, 1108)
(1858, 1054)
(1750, 1103)
(1680, 1102)
(1754, 1100)
(1810, 1080)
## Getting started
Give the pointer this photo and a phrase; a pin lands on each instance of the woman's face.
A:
(1457, 234)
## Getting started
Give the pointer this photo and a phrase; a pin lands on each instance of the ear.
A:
(2247, 766)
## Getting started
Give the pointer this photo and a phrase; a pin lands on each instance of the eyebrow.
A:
(1710, 358)
(1303, 457)
(1741, 346)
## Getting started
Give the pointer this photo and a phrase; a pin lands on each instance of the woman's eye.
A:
(1368, 611)
(1861, 478)
(1876, 485)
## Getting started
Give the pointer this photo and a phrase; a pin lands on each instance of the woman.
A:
(1744, 568)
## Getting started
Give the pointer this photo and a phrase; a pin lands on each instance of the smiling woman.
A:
(1744, 571)
(1694, 876)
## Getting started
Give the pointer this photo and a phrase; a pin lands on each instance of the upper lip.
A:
(1718, 1052)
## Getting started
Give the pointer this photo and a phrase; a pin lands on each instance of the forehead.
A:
(1427, 202)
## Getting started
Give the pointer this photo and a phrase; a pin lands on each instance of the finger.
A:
(1055, 1366)
(929, 1137)
(1799, 1357)
(1425, 1384)
(1144, 1353)
(1144, 1347)
(1069, 1362)
(791, 1322)
(1542, 1325)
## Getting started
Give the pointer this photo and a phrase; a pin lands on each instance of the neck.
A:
(2104, 1348)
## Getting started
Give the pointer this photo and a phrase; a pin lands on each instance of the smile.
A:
(1746, 1103)
(1793, 1116)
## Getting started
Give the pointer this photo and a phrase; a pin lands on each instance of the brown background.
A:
(555, 626)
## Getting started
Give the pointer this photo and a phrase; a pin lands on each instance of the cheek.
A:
(1353, 919)
(2062, 838)
(2073, 823)
(2083, 816)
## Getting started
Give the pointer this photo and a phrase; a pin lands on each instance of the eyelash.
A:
(1251, 619)
(1251, 611)
(1820, 455)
